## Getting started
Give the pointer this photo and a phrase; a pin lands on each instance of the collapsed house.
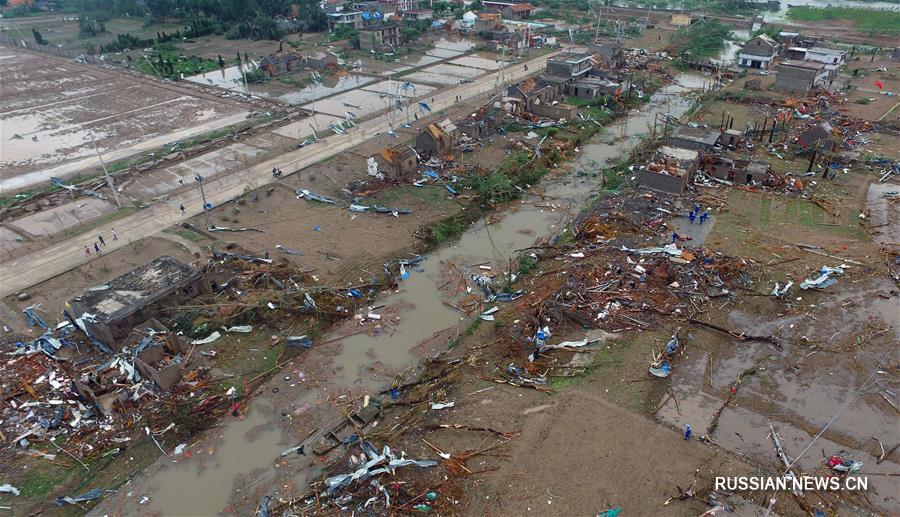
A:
(397, 161)
(739, 172)
(730, 137)
(110, 311)
(670, 169)
(820, 136)
(592, 87)
(607, 53)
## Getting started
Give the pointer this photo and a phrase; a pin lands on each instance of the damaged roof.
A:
(137, 288)
(697, 134)
(678, 154)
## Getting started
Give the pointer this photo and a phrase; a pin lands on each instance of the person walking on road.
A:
(102, 242)
(87, 251)
(114, 234)
(182, 210)
(97, 248)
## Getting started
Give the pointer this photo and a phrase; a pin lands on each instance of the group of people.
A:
(695, 212)
(99, 242)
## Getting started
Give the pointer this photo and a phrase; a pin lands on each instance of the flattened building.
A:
(134, 297)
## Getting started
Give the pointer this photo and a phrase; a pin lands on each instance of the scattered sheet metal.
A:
(224, 255)
(779, 292)
(303, 341)
(386, 462)
(312, 196)
(87, 496)
(488, 315)
(240, 328)
(669, 249)
(9, 489)
(214, 228)
(592, 336)
(208, 339)
(825, 277)
(32, 318)
(289, 251)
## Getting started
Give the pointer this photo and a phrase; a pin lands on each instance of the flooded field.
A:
(53, 109)
(231, 78)
(330, 86)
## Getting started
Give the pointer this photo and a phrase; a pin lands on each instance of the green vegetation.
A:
(560, 383)
(38, 38)
(772, 32)
(470, 330)
(186, 234)
(412, 29)
(526, 264)
(446, 229)
(166, 61)
(235, 18)
(703, 39)
(872, 20)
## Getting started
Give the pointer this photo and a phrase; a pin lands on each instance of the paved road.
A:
(24, 272)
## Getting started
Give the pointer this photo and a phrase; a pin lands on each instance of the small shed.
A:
(754, 171)
(730, 137)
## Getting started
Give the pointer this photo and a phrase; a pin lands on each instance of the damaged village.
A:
(449, 257)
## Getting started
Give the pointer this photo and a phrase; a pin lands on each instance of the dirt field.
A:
(53, 108)
(336, 243)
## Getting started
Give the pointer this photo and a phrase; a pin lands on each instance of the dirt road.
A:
(29, 270)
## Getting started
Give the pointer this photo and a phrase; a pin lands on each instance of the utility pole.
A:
(199, 179)
(109, 180)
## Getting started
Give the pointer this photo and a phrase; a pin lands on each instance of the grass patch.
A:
(430, 194)
(599, 360)
(100, 221)
(872, 20)
(470, 330)
(184, 233)
(446, 229)
(526, 264)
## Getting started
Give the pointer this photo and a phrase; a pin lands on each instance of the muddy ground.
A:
(42, 132)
